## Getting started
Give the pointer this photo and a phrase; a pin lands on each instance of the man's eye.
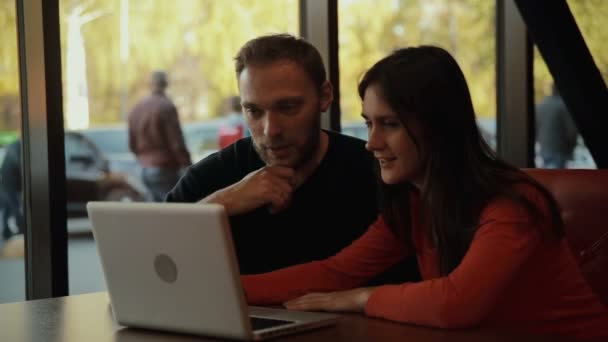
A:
(368, 123)
(288, 107)
(252, 111)
(390, 123)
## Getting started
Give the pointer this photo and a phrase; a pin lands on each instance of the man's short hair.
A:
(268, 49)
(159, 79)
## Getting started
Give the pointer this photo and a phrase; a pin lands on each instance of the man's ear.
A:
(326, 95)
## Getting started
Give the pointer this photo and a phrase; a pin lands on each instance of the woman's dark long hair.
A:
(462, 173)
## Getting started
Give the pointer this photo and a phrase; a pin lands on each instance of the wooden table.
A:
(88, 318)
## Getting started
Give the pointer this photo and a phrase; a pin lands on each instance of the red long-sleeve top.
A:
(514, 276)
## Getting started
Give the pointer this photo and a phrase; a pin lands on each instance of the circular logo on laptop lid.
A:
(165, 268)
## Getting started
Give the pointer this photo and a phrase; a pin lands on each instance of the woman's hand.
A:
(343, 301)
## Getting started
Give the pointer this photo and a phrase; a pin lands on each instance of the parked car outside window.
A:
(88, 178)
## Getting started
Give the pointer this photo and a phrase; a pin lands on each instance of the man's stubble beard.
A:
(306, 153)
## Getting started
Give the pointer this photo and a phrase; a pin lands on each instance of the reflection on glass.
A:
(109, 50)
(558, 143)
(555, 145)
(12, 267)
(556, 132)
(466, 28)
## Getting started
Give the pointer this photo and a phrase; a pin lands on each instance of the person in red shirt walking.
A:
(488, 238)
(234, 127)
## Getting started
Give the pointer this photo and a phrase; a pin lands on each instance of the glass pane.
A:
(558, 144)
(12, 266)
(110, 52)
(466, 28)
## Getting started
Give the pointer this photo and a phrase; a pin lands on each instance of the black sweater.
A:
(333, 207)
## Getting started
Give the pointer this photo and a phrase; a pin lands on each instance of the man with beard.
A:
(293, 191)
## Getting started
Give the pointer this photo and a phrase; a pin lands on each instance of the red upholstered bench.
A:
(583, 199)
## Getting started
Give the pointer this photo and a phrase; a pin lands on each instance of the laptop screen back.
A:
(171, 267)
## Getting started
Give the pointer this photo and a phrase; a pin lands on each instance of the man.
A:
(294, 192)
(556, 131)
(156, 139)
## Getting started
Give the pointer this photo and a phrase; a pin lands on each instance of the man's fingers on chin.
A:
(280, 170)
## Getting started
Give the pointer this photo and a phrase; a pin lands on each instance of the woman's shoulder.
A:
(520, 205)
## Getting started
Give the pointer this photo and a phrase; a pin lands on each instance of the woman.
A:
(489, 239)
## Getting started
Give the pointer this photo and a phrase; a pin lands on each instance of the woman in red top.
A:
(489, 239)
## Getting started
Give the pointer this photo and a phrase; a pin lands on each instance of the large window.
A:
(110, 48)
(369, 30)
(12, 286)
(558, 144)
(590, 16)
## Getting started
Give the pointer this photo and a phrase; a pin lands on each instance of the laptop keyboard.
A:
(258, 323)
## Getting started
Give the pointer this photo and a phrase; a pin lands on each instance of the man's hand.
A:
(270, 185)
(343, 301)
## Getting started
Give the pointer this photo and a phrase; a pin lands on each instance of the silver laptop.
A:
(172, 267)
